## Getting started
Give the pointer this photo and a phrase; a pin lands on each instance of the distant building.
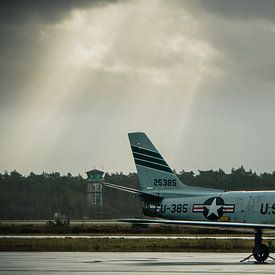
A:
(94, 187)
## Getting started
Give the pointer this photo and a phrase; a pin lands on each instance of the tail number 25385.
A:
(165, 182)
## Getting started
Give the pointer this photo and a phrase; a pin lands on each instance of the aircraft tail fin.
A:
(153, 172)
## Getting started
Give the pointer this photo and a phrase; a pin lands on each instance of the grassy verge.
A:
(121, 245)
(86, 229)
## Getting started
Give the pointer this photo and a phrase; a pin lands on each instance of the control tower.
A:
(94, 187)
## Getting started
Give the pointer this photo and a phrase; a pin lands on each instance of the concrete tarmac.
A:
(129, 263)
(132, 237)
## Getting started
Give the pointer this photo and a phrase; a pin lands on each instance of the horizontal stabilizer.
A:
(143, 195)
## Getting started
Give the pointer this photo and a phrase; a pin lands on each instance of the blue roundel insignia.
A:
(213, 208)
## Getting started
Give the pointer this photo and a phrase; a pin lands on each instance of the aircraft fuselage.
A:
(233, 206)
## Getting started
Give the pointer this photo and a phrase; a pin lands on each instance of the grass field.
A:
(103, 229)
(119, 245)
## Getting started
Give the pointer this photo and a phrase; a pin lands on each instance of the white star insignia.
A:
(213, 208)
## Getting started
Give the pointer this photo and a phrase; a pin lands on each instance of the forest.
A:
(39, 196)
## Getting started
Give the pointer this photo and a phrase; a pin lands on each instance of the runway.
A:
(128, 263)
(131, 237)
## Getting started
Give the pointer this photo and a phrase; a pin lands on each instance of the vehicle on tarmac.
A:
(175, 203)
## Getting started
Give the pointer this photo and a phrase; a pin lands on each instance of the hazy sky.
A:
(197, 76)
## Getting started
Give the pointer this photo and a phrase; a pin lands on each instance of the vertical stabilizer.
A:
(153, 172)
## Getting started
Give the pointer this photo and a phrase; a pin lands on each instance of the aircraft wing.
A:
(232, 226)
(133, 191)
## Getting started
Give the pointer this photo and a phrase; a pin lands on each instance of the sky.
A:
(76, 76)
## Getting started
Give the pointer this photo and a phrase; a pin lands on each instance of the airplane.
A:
(176, 203)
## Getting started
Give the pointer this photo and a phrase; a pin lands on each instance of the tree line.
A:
(39, 196)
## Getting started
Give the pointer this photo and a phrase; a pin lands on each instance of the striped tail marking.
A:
(150, 159)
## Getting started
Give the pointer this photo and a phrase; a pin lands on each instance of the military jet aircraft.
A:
(165, 196)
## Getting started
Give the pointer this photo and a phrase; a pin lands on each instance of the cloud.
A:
(15, 12)
(240, 10)
(76, 76)
(242, 32)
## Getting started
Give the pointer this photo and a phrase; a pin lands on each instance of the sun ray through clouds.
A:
(105, 71)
